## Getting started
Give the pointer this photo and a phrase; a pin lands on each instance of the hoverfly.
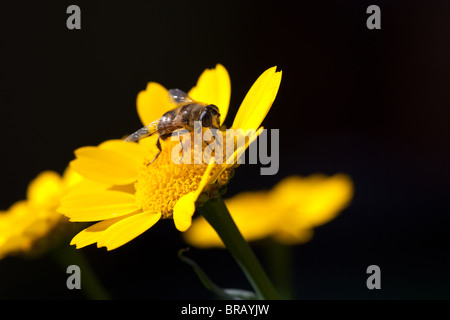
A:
(183, 116)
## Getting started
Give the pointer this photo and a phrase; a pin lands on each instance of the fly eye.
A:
(205, 118)
(214, 110)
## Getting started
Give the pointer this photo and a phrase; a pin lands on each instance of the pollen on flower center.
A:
(161, 183)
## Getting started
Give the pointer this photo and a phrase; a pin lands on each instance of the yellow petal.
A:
(153, 103)
(86, 186)
(130, 149)
(249, 136)
(183, 211)
(44, 190)
(258, 100)
(105, 166)
(214, 87)
(70, 177)
(93, 233)
(253, 212)
(149, 146)
(127, 229)
(240, 149)
(97, 206)
(185, 206)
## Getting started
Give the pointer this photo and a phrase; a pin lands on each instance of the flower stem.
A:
(280, 263)
(217, 215)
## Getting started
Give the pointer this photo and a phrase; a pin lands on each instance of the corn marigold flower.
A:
(28, 225)
(141, 189)
(287, 213)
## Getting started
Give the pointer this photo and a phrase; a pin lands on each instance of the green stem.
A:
(217, 215)
(90, 285)
(279, 262)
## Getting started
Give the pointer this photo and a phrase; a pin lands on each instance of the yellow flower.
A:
(25, 226)
(139, 191)
(288, 212)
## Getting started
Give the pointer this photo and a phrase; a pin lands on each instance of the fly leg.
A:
(182, 147)
(158, 145)
(216, 144)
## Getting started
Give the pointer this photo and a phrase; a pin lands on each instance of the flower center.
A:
(161, 183)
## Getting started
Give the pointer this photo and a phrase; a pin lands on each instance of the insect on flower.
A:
(183, 116)
(138, 192)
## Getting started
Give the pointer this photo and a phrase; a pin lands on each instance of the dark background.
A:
(369, 103)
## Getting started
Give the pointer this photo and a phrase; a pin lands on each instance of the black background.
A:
(369, 103)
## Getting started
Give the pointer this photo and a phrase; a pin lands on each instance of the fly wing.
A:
(144, 132)
(178, 96)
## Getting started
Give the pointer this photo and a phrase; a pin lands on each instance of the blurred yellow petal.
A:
(45, 189)
(317, 198)
(93, 233)
(293, 237)
(288, 212)
(202, 235)
(98, 206)
(127, 229)
(328, 198)
(42, 224)
(258, 101)
(71, 177)
(153, 102)
(16, 243)
(14, 219)
(31, 220)
(105, 166)
(27, 222)
(253, 215)
(214, 87)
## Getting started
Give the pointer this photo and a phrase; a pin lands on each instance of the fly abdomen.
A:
(169, 123)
